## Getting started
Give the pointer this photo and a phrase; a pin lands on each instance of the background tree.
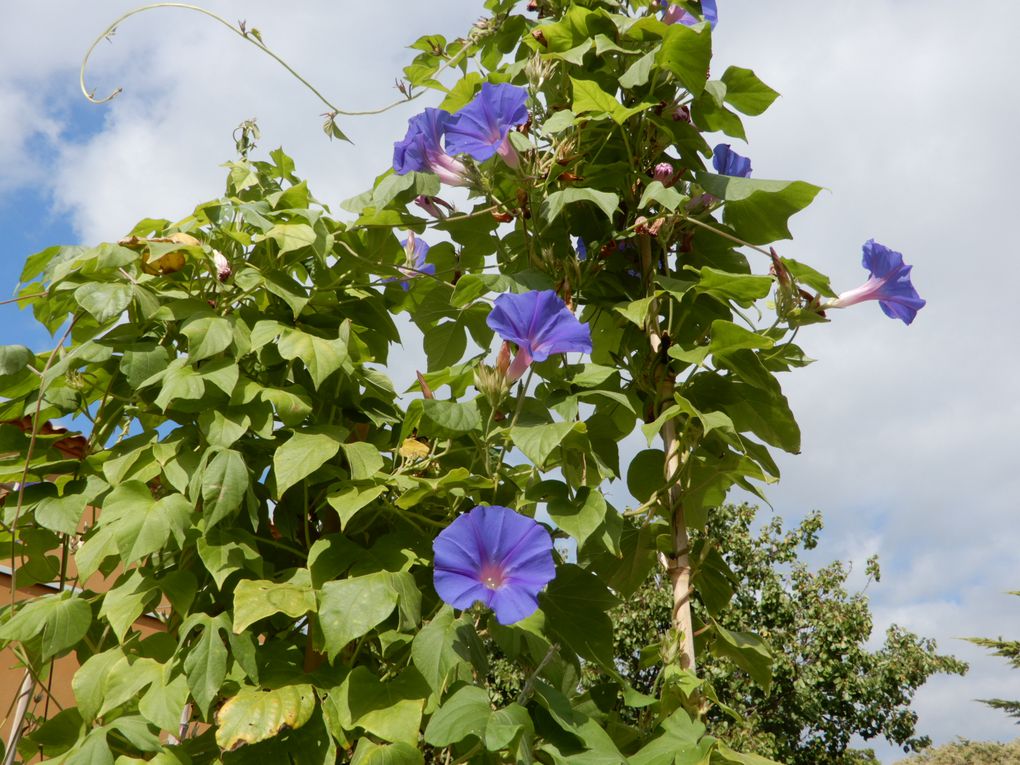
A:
(827, 686)
(1009, 650)
(968, 753)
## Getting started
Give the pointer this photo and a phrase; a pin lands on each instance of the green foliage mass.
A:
(968, 753)
(250, 484)
(827, 686)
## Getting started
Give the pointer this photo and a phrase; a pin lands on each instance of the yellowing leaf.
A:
(413, 449)
(255, 715)
(159, 254)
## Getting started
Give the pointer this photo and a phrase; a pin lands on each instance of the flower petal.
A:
(514, 602)
(479, 128)
(461, 591)
(728, 162)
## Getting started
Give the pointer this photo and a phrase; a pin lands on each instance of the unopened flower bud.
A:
(223, 269)
(664, 173)
(503, 358)
(492, 383)
(682, 114)
(432, 206)
(426, 391)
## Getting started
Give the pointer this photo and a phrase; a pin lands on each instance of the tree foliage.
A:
(1009, 650)
(968, 753)
(827, 686)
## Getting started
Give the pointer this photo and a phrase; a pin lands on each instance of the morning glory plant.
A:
(494, 556)
(307, 525)
(888, 283)
(728, 162)
(540, 324)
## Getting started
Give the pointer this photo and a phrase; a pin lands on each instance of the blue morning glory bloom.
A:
(540, 323)
(421, 149)
(481, 128)
(674, 14)
(582, 249)
(889, 284)
(728, 162)
(495, 556)
(416, 250)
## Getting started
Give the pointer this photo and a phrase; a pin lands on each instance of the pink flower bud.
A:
(432, 205)
(664, 173)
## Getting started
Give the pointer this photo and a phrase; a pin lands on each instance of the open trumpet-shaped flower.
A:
(675, 14)
(482, 128)
(495, 556)
(422, 150)
(540, 323)
(728, 162)
(889, 284)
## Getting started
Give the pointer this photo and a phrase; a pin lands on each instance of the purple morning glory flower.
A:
(582, 249)
(482, 128)
(728, 162)
(674, 14)
(889, 285)
(496, 556)
(421, 149)
(540, 323)
(416, 249)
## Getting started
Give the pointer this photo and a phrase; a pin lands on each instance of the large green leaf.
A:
(303, 453)
(291, 236)
(747, 651)
(321, 356)
(758, 210)
(224, 483)
(14, 358)
(124, 603)
(538, 441)
(207, 336)
(465, 713)
(441, 646)
(742, 289)
(553, 205)
(391, 710)
(575, 605)
(363, 459)
(581, 516)
(205, 661)
(256, 599)
(745, 92)
(61, 620)
(370, 753)
(105, 301)
(349, 500)
(687, 52)
(682, 742)
(142, 525)
(255, 714)
(590, 98)
(349, 608)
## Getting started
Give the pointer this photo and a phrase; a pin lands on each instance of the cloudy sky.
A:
(906, 113)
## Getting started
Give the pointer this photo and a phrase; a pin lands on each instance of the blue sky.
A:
(905, 113)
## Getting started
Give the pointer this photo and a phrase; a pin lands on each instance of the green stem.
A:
(28, 455)
(254, 38)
